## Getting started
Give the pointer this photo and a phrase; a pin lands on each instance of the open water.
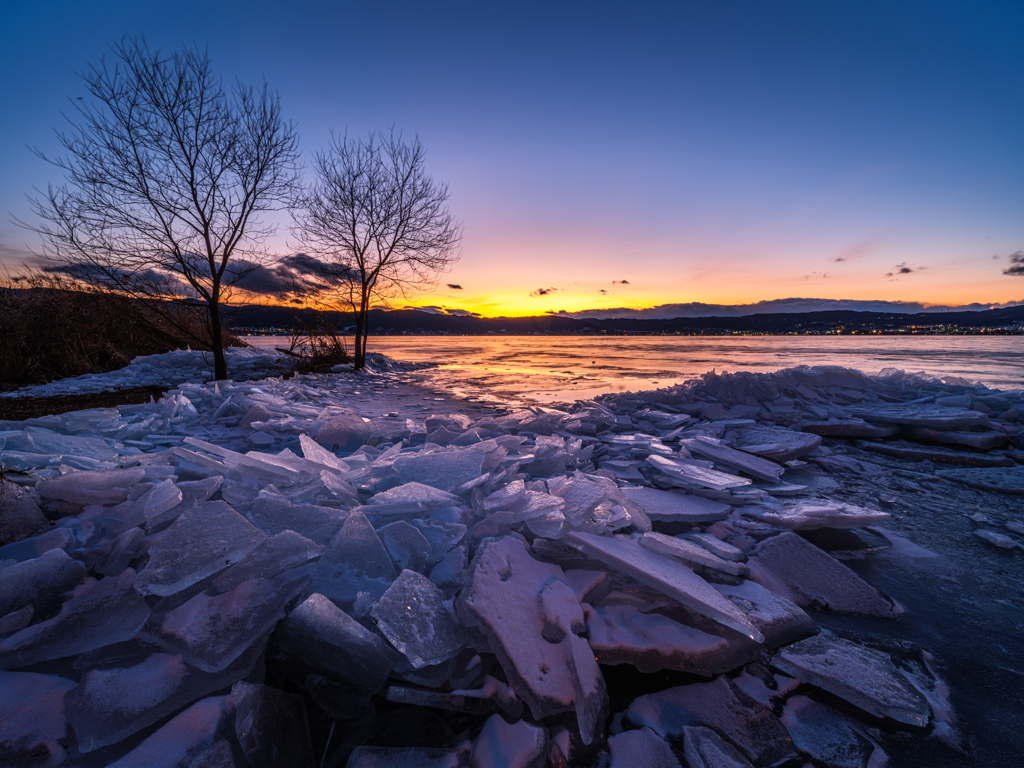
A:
(566, 368)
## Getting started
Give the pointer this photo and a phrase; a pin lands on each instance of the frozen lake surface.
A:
(566, 368)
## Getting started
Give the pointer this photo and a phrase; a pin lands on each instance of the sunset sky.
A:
(605, 155)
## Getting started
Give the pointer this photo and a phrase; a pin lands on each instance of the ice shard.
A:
(107, 612)
(203, 540)
(413, 616)
(667, 507)
(642, 747)
(327, 639)
(620, 634)
(797, 570)
(531, 619)
(864, 677)
(32, 721)
(667, 576)
(720, 705)
(212, 630)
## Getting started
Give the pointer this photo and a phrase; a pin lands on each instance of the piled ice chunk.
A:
(447, 571)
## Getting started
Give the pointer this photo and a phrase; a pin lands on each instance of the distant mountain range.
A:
(410, 321)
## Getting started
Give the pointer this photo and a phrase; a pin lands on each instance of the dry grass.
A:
(316, 347)
(51, 328)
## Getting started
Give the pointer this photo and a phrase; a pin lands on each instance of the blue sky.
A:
(727, 152)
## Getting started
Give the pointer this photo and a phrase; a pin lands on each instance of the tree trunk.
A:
(220, 365)
(360, 343)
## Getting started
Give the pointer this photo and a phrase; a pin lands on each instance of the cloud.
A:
(903, 269)
(433, 309)
(791, 305)
(816, 274)
(455, 287)
(543, 292)
(602, 291)
(1016, 264)
(855, 251)
(620, 282)
(289, 277)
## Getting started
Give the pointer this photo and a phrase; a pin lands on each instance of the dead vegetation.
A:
(52, 328)
(316, 347)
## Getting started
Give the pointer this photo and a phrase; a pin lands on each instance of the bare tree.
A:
(380, 221)
(166, 177)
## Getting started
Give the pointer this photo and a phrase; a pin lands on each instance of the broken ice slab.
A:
(694, 475)
(15, 621)
(754, 466)
(797, 570)
(346, 429)
(212, 630)
(279, 553)
(33, 728)
(716, 546)
(114, 701)
(665, 575)
(691, 554)
(621, 634)
(442, 537)
(449, 701)
(328, 639)
(106, 612)
(271, 726)
(704, 748)
(997, 539)
(40, 582)
(825, 735)
(778, 619)
(848, 428)
(355, 562)
(95, 448)
(203, 540)
(192, 738)
(313, 451)
(642, 747)
(34, 546)
(982, 441)
(864, 677)
(920, 415)
(412, 497)
(779, 445)
(405, 544)
(749, 726)
(273, 515)
(531, 619)
(156, 506)
(668, 507)
(450, 572)
(817, 513)
(97, 487)
(505, 745)
(938, 454)
(408, 757)
(445, 470)
(1002, 480)
(412, 615)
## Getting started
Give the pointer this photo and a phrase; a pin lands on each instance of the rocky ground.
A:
(812, 567)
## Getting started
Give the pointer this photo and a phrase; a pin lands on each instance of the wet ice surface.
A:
(810, 565)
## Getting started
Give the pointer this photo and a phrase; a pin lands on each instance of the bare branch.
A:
(375, 213)
(166, 177)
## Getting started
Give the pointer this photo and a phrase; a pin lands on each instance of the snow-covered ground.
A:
(318, 567)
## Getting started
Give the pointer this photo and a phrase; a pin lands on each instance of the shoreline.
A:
(909, 543)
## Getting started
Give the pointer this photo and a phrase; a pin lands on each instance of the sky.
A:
(620, 158)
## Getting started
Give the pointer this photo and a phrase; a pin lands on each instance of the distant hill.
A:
(409, 321)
